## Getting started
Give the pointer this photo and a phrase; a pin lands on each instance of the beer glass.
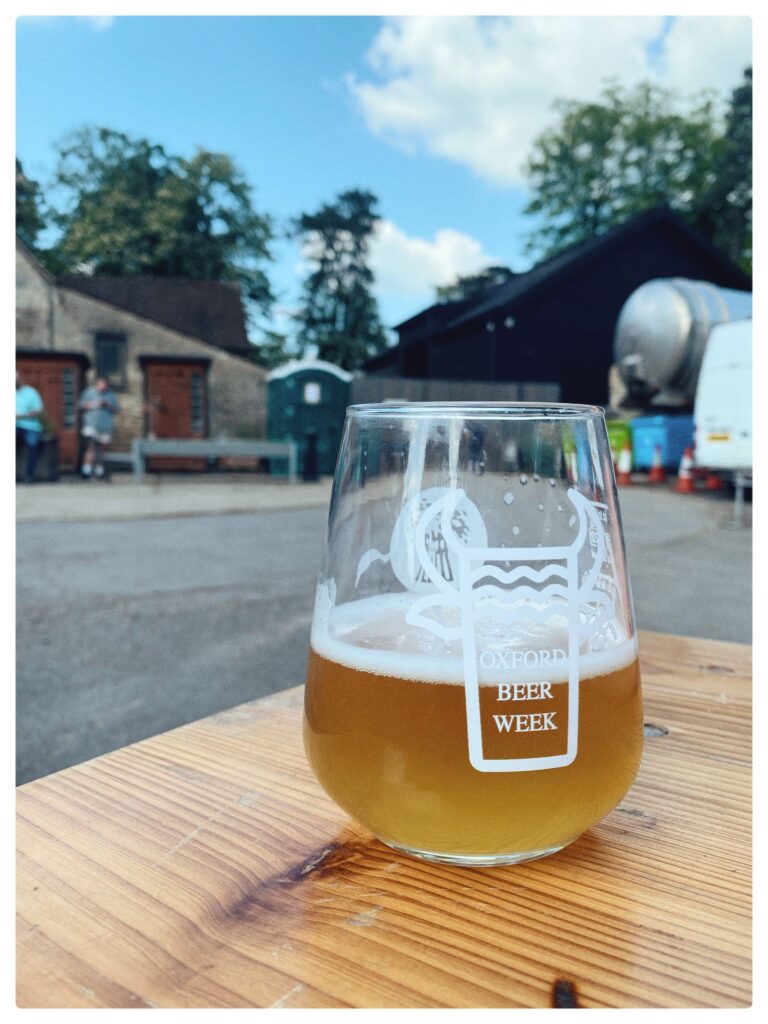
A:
(473, 694)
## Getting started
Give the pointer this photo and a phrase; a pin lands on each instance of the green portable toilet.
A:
(305, 397)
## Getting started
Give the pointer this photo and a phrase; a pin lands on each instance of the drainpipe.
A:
(51, 315)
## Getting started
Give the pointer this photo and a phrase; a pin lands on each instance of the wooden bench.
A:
(144, 448)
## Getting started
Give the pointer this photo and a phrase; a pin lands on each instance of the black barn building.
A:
(555, 323)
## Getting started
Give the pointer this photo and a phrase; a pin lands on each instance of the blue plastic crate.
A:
(672, 433)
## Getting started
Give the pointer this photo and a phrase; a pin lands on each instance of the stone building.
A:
(176, 352)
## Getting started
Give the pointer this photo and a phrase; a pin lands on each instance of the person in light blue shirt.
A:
(29, 426)
(99, 404)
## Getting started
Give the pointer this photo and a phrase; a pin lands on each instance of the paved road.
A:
(126, 629)
(158, 496)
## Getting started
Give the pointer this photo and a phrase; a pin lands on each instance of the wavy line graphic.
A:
(523, 571)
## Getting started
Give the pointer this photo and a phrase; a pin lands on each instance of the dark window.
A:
(198, 411)
(69, 397)
(110, 358)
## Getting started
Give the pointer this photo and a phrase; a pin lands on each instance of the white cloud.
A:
(478, 90)
(707, 53)
(405, 265)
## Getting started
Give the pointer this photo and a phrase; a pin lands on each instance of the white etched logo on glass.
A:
(439, 549)
(465, 527)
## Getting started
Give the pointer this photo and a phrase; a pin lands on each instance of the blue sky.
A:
(434, 115)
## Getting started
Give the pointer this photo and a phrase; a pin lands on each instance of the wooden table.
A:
(206, 868)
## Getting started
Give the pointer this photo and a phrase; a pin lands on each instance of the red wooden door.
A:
(176, 404)
(59, 380)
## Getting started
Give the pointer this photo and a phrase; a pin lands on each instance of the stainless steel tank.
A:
(662, 332)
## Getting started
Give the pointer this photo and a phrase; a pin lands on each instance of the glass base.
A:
(469, 860)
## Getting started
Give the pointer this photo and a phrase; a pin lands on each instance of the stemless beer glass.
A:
(473, 693)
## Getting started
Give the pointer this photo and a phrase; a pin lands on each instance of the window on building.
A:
(110, 358)
(69, 397)
(198, 408)
(312, 393)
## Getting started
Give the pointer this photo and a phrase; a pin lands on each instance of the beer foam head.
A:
(375, 635)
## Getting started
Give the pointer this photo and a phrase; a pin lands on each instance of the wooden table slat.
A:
(206, 868)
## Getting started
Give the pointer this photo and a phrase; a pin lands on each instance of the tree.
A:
(271, 351)
(338, 313)
(608, 160)
(29, 201)
(724, 212)
(126, 207)
(467, 285)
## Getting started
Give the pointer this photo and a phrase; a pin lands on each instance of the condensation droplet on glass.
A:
(541, 507)
(523, 479)
(509, 498)
(551, 482)
(572, 520)
(559, 508)
(536, 477)
(515, 530)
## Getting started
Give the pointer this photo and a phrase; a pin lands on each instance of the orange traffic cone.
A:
(624, 466)
(657, 474)
(685, 484)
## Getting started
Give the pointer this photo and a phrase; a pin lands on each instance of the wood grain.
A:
(205, 868)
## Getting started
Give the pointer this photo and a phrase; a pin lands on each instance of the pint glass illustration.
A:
(473, 693)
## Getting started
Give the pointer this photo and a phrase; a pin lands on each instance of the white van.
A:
(722, 411)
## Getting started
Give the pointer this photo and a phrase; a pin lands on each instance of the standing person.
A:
(99, 404)
(29, 427)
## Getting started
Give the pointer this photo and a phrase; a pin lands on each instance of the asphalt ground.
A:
(130, 627)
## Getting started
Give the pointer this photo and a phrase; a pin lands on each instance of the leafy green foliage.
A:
(271, 351)
(30, 220)
(467, 285)
(724, 212)
(126, 207)
(611, 159)
(338, 313)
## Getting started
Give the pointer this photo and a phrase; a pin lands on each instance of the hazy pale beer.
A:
(391, 749)
(473, 693)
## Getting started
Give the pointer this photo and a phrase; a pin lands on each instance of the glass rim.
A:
(476, 410)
